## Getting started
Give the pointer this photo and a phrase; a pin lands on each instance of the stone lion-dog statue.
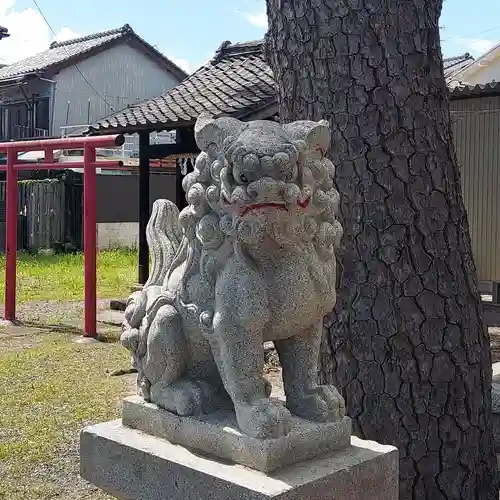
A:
(250, 259)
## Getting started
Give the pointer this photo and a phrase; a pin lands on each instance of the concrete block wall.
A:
(112, 235)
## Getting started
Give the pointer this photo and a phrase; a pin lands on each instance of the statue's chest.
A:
(300, 288)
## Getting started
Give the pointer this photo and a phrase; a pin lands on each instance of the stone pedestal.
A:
(130, 464)
(218, 435)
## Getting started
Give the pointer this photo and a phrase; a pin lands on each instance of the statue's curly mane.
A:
(212, 232)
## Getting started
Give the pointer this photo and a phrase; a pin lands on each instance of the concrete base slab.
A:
(217, 434)
(86, 340)
(132, 465)
(6, 323)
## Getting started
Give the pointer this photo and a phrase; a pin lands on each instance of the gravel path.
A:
(68, 313)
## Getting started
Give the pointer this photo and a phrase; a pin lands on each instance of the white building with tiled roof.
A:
(453, 65)
(236, 82)
(481, 71)
(80, 81)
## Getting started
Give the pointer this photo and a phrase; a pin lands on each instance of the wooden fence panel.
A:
(42, 212)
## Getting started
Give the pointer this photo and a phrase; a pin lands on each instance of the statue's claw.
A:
(322, 403)
(184, 397)
(189, 397)
(263, 419)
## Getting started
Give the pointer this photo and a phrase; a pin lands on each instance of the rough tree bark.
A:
(406, 343)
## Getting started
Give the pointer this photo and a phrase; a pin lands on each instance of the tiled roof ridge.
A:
(115, 31)
(467, 55)
(228, 49)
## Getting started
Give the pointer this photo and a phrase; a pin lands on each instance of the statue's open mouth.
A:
(278, 206)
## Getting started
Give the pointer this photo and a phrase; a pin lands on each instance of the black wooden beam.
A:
(184, 144)
(184, 139)
(180, 198)
(144, 155)
(164, 150)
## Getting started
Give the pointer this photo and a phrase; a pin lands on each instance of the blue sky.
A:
(469, 26)
(189, 31)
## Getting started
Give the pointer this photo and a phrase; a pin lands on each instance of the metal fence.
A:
(476, 131)
(24, 132)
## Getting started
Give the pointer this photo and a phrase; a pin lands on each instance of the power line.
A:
(473, 36)
(487, 31)
(76, 65)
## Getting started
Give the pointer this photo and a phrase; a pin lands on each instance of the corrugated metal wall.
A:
(476, 129)
(122, 74)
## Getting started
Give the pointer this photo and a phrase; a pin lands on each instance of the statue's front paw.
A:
(263, 419)
(322, 403)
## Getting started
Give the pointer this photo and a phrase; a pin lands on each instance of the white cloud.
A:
(66, 34)
(182, 63)
(29, 34)
(476, 46)
(258, 19)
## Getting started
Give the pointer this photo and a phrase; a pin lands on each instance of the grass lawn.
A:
(50, 387)
(48, 393)
(60, 277)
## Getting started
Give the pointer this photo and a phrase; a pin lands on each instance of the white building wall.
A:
(485, 70)
(122, 74)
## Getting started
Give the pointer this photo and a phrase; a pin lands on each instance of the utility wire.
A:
(473, 36)
(76, 65)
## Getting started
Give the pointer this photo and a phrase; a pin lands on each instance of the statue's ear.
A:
(316, 135)
(208, 130)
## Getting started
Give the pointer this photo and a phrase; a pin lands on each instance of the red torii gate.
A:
(89, 165)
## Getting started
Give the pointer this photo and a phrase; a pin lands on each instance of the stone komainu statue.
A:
(251, 259)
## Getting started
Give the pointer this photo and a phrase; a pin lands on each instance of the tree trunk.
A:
(406, 343)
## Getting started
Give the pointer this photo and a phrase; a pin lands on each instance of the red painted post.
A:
(89, 165)
(90, 243)
(11, 237)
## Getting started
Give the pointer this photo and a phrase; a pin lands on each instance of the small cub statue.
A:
(250, 259)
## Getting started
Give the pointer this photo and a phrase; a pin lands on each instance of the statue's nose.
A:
(263, 188)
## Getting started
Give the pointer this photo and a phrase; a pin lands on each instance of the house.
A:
(79, 81)
(237, 82)
(485, 69)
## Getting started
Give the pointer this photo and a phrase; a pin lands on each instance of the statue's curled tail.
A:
(164, 238)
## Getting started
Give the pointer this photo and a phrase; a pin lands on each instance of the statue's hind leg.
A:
(164, 362)
(304, 397)
(168, 367)
(165, 358)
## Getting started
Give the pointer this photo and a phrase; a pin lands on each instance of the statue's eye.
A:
(243, 178)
